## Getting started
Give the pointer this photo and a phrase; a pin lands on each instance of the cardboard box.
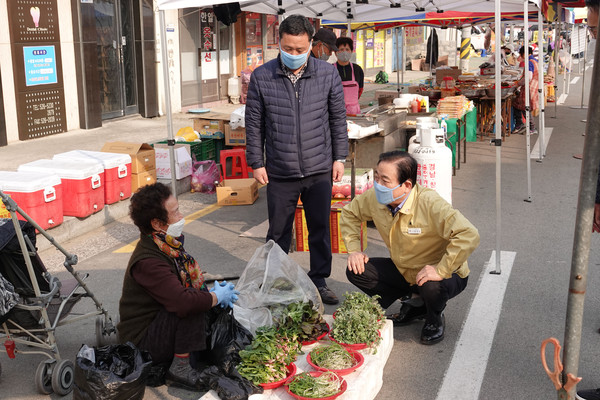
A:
(142, 154)
(337, 243)
(235, 137)
(363, 181)
(237, 192)
(440, 73)
(183, 161)
(142, 179)
(210, 128)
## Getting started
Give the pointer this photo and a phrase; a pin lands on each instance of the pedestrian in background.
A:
(519, 103)
(297, 142)
(323, 44)
(353, 77)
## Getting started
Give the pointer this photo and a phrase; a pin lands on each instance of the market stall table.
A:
(364, 149)
(363, 384)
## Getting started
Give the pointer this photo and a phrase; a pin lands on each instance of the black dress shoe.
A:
(433, 332)
(408, 313)
(327, 295)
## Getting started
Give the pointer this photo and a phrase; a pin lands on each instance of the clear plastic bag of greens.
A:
(270, 280)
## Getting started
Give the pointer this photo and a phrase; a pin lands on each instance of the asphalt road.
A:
(533, 307)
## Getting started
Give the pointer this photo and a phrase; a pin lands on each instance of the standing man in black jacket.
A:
(297, 142)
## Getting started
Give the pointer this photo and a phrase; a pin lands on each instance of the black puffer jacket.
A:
(302, 128)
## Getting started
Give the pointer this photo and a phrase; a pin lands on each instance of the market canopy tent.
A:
(434, 19)
(349, 11)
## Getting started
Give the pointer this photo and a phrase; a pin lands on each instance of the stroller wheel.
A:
(62, 377)
(43, 376)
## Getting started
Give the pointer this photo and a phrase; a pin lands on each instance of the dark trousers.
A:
(168, 335)
(315, 193)
(520, 119)
(383, 278)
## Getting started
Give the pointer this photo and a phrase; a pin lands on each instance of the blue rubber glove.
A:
(226, 294)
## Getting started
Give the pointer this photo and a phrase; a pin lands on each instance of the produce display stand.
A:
(363, 384)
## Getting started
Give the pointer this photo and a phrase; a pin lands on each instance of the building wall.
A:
(68, 64)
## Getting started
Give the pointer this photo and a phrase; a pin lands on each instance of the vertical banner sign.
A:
(35, 45)
(379, 47)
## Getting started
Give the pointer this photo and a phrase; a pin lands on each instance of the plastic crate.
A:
(219, 145)
(200, 151)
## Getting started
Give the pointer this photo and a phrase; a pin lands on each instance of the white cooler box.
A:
(38, 194)
(117, 171)
(82, 184)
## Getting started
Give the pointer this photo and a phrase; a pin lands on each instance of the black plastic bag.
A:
(111, 372)
(229, 387)
(227, 338)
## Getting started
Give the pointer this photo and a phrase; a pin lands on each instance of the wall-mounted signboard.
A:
(35, 44)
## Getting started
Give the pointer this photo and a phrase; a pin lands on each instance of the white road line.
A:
(562, 98)
(535, 152)
(574, 80)
(467, 368)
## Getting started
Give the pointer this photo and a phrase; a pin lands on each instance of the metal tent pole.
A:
(526, 88)
(585, 46)
(397, 33)
(556, 58)
(168, 111)
(403, 52)
(455, 46)
(498, 138)
(583, 232)
(431, 52)
(541, 85)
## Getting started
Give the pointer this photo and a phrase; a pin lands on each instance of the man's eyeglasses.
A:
(593, 30)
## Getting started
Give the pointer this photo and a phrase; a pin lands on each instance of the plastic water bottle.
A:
(444, 126)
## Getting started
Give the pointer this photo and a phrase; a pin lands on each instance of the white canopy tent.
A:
(366, 11)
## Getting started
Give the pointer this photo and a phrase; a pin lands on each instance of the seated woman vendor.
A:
(164, 298)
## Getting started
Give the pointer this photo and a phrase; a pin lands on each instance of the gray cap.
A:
(326, 36)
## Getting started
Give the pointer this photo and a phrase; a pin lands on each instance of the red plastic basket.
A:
(353, 346)
(359, 359)
(273, 385)
(316, 374)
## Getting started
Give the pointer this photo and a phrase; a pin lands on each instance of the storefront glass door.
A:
(116, 57)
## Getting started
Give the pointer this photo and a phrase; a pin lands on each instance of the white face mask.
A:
(175, 230)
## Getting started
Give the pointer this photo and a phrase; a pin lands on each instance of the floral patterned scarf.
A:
(189, 271)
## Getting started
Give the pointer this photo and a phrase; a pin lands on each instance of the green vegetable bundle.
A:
(266, 359)
(358, 320)
(302, 320)
(332, 356)
(306, 385)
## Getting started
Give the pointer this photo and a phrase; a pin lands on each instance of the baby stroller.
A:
(40, 302)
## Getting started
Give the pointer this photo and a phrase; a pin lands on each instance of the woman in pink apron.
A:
(352, 75)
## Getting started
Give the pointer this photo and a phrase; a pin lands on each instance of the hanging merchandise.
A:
(434, 163)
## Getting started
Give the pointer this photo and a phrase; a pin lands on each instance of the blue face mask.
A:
(293, 62)
(385, 195)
